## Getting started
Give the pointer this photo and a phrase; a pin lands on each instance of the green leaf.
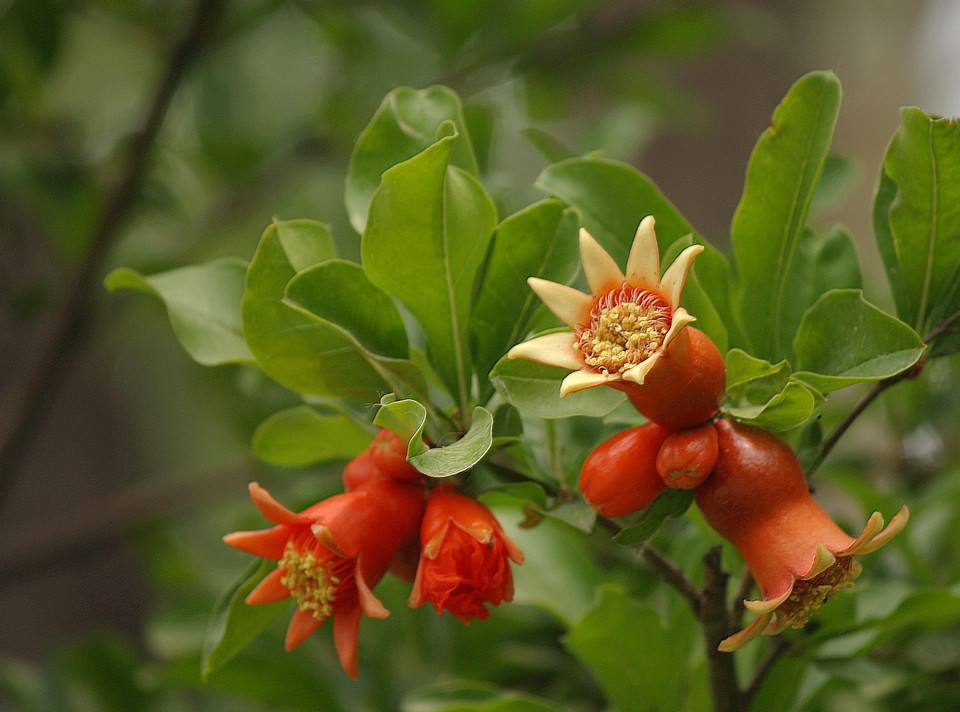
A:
(534, 389)
(427, 235)
(549, 146)
(301, 436)
(301, 352)
(473, 697)
(539, 241)
(844, 340)
(917, 213)
(405, 124)
(839, 175)
(782, 177)
(233, 623)
(407, 418)
(616, 640)
(836, 265)
(203, 304)
(765, 394)
(671, 503)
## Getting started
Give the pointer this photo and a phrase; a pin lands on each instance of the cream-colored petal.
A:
(571, 306)
(728, 645)
(643, 265)
(638, 373)
(767, 605)
(895, 526)
(821, 562)
(551, 349)
(873, 527)
(599, 267)
(775, 627)
(676, 275)
(681, 318)
(583, 379)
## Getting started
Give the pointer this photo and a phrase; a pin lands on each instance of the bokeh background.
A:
(110, 557)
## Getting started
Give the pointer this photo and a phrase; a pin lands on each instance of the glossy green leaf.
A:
(539, 241)
(766, 395)
(203, 304)
(838, 177)
(836, 263)
(844, 340)
(671, 503)
(405, 124)
(427, 235)
(616, 640)
(233, 623)
(473, 697)
(301, 436)
(917, 213)
(534, 389)
(301, 352)
(782, 177)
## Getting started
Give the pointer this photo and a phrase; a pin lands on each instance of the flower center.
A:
(313, 577)
(627, 325)
(808, 596)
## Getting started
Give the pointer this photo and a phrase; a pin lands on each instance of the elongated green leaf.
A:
(427, 235)
(615, 639)
(233, 623)
(299, 351)
(473, 697)
(539, 241)
(781, 181)
(405, 124)
(917, 213)
(836, 264)
(838, 177)
(534, 389)
(301, 436)
(203, 303)
(844, 340)
(672, 503)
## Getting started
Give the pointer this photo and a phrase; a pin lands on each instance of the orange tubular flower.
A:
(330, 556)
(464, 564)
(630, 333)
(757, 498)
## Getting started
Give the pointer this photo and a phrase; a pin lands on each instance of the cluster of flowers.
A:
(331, 555)
(632, 334)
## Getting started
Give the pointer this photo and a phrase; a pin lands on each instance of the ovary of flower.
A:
(627, 322)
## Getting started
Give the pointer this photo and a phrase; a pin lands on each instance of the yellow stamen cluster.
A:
(310, 583)
(808, 596)
(626, 327)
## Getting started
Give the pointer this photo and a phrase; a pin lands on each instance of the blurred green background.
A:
(110, 553)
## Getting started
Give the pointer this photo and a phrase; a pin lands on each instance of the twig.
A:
(716, 627)
(72, 321)
(673, 575)
(778, 648)
(942, 328)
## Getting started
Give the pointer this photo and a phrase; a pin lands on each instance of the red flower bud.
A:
(464, 563)
(620, 476)
(361, 471)
(757, 498)
(390, 456)
(687, 457)
(330, 556)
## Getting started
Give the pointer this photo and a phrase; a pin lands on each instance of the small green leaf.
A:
(671, 503)
(534, 389)
(233, 623)
(782, 178)
(844, 340)
(790, 408)
(766, 395)
(203, 304)
(836, 264)
(838, 177)
(473, 697)
(405, 124)
(549, 146)
(301, 436)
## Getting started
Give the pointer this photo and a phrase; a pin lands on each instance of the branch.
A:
(673, 575)
(72, 320)
(716, 627)
(778, 648)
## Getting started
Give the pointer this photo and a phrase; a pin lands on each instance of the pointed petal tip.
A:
(823, 560)
(600, 269)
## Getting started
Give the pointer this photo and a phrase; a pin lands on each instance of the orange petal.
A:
(369, 603)
(346, 628)
(513, 551)
(267, 543)
(269, 590)
(432, 547)
(301, 627)
(416, 593)
(272, 509)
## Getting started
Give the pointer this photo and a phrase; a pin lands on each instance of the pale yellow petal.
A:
(821, 562)
(551, 349)
(775, 627)
(643, 265)
(599, 267)
(873, 527)
(571, 306)
(676, 275)
(728, 645)
(895, 526)
(638, 373)
(681, 318)
(583, 379)
(767, 605)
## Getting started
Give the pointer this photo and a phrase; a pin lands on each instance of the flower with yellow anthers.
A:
(630, 333)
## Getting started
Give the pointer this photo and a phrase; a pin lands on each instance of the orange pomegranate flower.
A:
(330, 556)
(464, 564)
(757, 498)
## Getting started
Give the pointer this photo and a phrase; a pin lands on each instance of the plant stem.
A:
(778, 648)
(716, 626)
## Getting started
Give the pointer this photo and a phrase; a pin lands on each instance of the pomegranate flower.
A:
(757, 498)
(330, 556)
(624, 327)
(464, 563)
